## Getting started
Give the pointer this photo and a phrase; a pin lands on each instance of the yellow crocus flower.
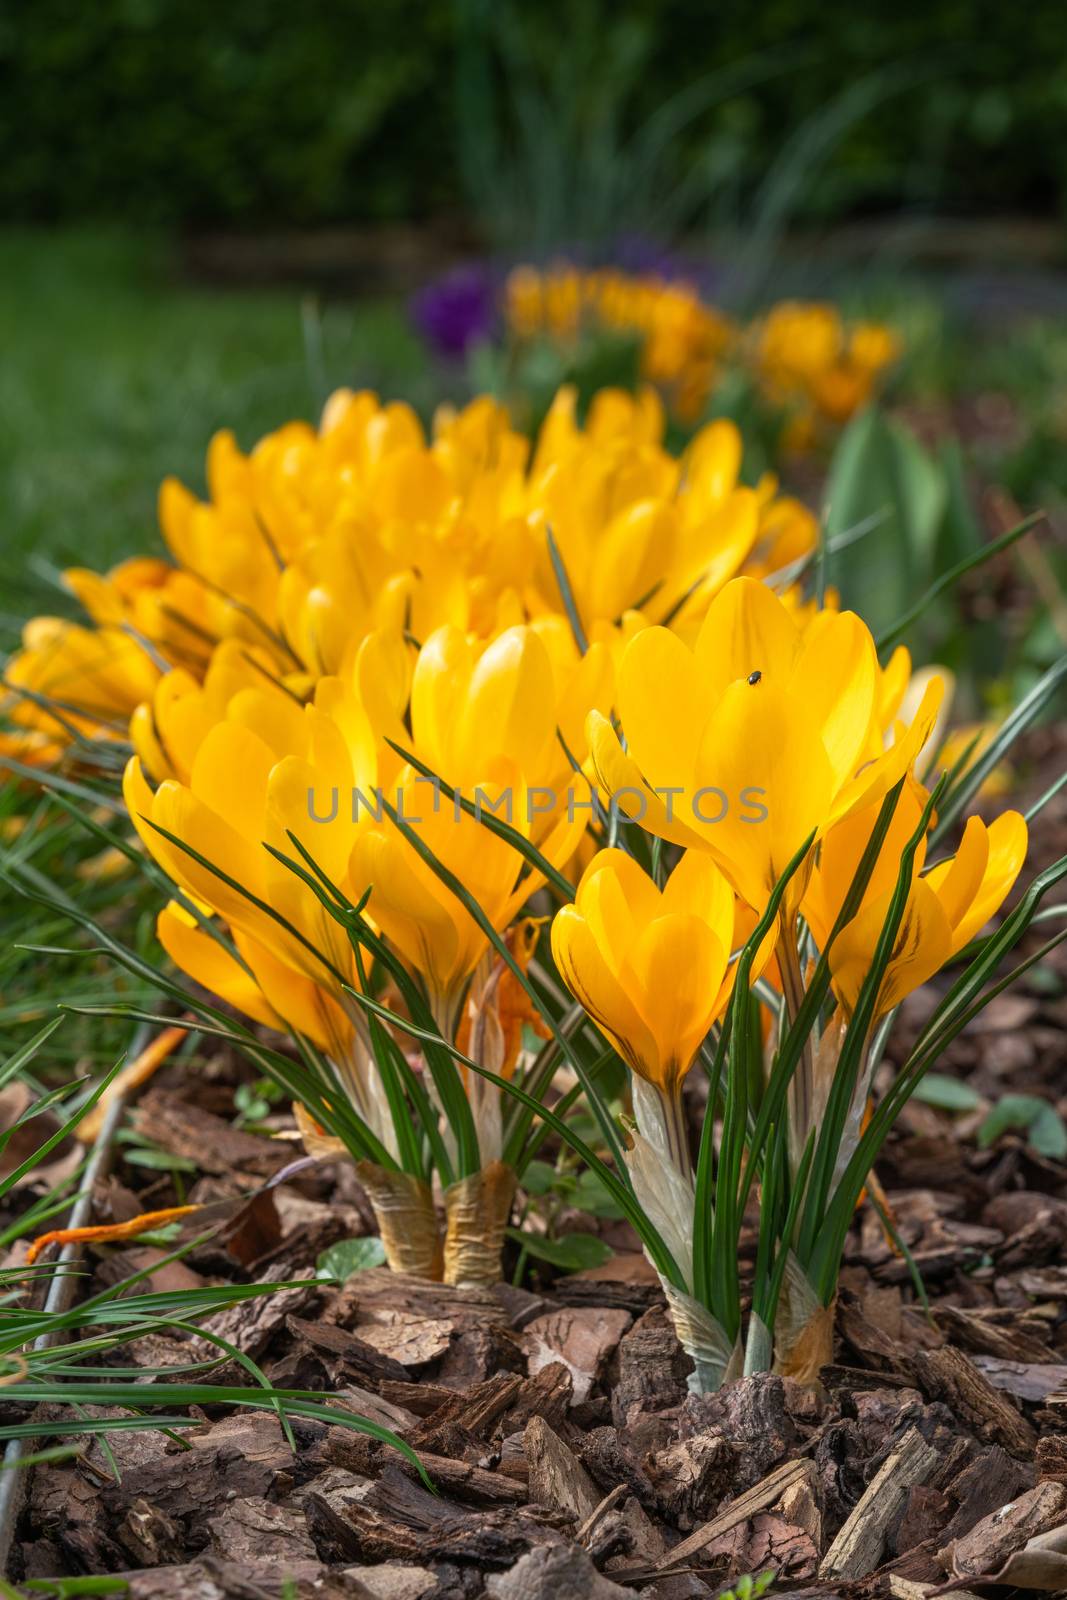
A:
(510, 700)
(824, 372)
(635, 527)
(947, 905)
(267, 768)
(485, 721)
(651, 966)
(93, 678)
(755, 738)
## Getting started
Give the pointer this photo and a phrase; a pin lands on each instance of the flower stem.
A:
(675, 1129)
(802, 1088)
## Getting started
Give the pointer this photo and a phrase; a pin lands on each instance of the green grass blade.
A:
(976, 559)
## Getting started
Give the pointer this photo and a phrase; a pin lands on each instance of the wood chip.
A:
(761, 1496)
(345, 1355)
(254, 1530)
(1026, 1380)
(400, 1520)
(411, 1340)
(556, 1476)
(421, 1399)
(949, 1376)
(905, 1589)
(767, 1540)
(465, 1481)
(251, 1324)
(1023, 1543)
(692, 1477)
(980, 1333)
(389, 1582)
(547, 1394)
(370, 1295)
(474, 1414)
(185, 1129)
(582, 1338)
(858, 1547)
(800, 1506)
(986, 1483)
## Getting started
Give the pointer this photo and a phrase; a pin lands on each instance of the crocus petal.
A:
(713, 460)
(974, 885)
(662, 727)
(842, 849)
(757, 757)
(230, 776)
(875, 780)
(747, 629)
(506, 710)
(406, 909)
(698, 886)
(632, 555)
(709, 551)
(836, 679)
(442, 674)
(679, 966)
(590, 980)
(923, 945)
(620, 779)
(296, 996)
(209, 963)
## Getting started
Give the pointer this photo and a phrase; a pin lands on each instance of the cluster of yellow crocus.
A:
(352, 591)
(803, 355)
(244, 764)
(683, 339)
(582, 631)
(818, 368)
(768, 731)
(320, 537)
(799, 715)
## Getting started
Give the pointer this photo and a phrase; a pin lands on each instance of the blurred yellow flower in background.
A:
(803, 356)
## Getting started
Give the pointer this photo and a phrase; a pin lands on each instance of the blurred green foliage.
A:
(165, 110)
(268, 113)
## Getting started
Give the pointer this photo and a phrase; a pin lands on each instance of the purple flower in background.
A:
(456, 310)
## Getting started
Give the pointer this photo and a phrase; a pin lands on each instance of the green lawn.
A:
(116, 372)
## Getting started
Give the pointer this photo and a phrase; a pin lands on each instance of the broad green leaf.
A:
(1041, 1122)
(947, 1094)
(539, 1177)
(590, 1195)
(349, 1256)
(868, 475)
(572, 1252)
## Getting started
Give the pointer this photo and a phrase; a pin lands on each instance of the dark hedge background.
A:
(266, 112)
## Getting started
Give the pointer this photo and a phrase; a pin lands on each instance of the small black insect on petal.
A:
(754, 677)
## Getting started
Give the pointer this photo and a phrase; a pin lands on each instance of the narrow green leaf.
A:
(947, 579)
